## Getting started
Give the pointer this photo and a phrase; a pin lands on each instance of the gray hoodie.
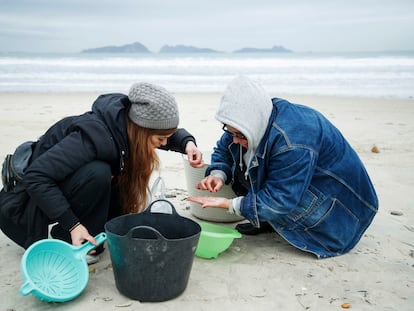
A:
(247, 107)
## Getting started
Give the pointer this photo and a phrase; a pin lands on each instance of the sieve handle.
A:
(26, 288)
(85, 248)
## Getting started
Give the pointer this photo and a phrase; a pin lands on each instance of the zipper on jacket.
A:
(122, 161)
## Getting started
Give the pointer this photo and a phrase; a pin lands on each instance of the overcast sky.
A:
(225, 25)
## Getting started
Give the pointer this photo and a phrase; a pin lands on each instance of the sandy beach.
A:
(257, 272)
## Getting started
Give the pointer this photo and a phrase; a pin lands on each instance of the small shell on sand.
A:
(375, 149)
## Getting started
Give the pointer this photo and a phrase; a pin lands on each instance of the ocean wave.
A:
(373, 75)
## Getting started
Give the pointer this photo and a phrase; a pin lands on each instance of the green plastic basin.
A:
(214, 239)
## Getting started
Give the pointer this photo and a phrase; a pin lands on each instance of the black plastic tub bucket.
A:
(152, 252)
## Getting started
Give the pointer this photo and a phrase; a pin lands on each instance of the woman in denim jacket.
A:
(292, 171)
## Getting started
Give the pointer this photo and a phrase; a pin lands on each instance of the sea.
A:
(369, 74)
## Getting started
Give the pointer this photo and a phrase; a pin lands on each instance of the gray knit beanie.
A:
(152, 107)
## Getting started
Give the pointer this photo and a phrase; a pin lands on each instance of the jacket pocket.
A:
(13, 205)
(310, 206)
(336, 229)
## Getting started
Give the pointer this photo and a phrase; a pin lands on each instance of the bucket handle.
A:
(158, 200)
(155, 209)
(145, 228)
(84, 249)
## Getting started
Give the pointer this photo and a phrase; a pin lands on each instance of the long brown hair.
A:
(141, 162)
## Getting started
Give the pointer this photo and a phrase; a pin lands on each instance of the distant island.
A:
(127, 48)
(275, 49)
(186, 49)
(182, 49)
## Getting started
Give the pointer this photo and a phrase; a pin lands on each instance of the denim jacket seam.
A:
(340, 180)
(285, 136)
(295, 146)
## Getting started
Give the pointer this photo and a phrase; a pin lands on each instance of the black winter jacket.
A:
(74, 141)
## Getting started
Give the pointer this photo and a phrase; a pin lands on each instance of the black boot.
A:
(249, 229)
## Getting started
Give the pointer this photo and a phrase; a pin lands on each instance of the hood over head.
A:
(247, 107)
(112, 109)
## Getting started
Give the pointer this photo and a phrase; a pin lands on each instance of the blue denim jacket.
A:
(305, 180)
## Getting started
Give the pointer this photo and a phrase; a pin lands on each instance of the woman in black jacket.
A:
(87, 169)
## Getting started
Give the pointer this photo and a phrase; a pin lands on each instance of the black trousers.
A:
(88, 190)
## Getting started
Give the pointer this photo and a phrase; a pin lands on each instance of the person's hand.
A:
(80, 234)
(194, 155)
(210, 183)
(211, 201)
